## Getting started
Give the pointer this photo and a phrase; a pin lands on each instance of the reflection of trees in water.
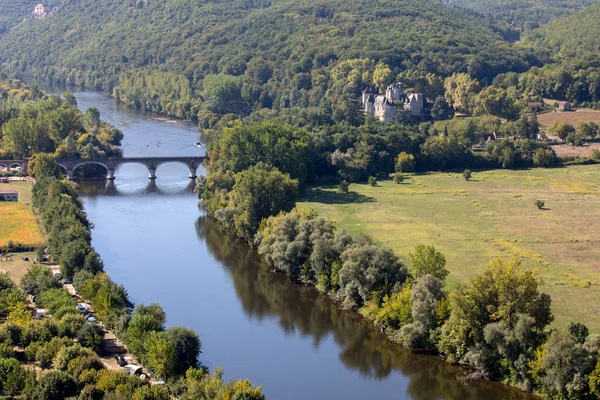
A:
(363, 348)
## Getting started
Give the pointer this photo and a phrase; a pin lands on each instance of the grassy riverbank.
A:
(493, 215)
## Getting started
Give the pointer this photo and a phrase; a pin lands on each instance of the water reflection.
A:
(94, 189)
(298, 308)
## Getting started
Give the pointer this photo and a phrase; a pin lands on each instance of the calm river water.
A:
(155, 241)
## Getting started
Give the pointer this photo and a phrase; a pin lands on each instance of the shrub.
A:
(467, 174)
(544, 158)
(398, 178)
(596, 154)
(373, 181)
(343, 186)
(540, 204)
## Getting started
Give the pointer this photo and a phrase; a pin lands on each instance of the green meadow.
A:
(492, 215)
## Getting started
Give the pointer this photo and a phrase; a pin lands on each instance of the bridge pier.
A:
(110, 175)
(70, 174)
(151, 173)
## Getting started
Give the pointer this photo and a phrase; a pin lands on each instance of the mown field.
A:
(493, 215)
(17, 220)
(18, 223)
(571, 117)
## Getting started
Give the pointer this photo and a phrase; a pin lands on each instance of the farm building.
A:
(564, 106)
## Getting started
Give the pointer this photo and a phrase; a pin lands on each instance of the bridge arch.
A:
(116, 166)
(189, 167)
(3, 166)
(15, 165)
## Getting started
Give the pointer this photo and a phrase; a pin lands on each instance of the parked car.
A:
(121, 361)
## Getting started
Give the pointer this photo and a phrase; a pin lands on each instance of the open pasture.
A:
(493, 215)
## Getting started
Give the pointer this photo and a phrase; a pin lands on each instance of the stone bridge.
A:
(111, 164)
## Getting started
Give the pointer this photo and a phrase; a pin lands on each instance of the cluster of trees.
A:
(244, 55)
(31, 122)
(496, 324)
(311, 150)
(307, 248)
(575, 135)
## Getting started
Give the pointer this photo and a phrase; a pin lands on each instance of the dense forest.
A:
(265, 53)
(524, 14)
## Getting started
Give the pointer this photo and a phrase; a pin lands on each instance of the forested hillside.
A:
(570, 46)
(276, 53)
(573, 36)
(525, 14)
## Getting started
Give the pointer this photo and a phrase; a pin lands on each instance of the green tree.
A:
(467, 174)
(544, 158)
(441, 110)
(12, 377)
(55, 385)
(38, 279)
(405, 162)
(369, 272)
(562, 129)
(460, 91)
(343, 186)
(425, 260)
(382, 76)
(160, 351)
(187, 348)
(259, 192)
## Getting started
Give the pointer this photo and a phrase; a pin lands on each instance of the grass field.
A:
(17, 220)
(18, 223)
(493, 215)
(16, 266)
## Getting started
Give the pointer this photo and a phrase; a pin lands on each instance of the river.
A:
(296, 344)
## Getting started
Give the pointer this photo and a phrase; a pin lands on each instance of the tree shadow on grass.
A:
(335, 197)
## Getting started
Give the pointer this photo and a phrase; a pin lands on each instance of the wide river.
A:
(155, 240)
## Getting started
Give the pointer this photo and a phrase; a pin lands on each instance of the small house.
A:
(564, 106)
(9, 195)
(40, 313)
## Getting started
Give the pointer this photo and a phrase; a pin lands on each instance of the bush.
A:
(596, 154)
(540, 204)
(343, 186)
(467, 174)
(398, 178)
(544, 158)
(373, 181)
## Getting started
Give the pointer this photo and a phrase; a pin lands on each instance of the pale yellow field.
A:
(18, 223)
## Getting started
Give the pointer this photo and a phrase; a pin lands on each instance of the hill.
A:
(525, 14)
(572, 36)
(13, 12)
(283, 50)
